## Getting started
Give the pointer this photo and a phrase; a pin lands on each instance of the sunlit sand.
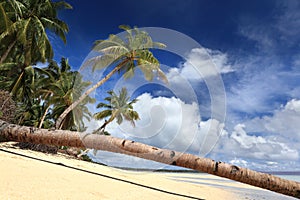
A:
(27, 178)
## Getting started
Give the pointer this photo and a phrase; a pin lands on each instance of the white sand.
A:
(25, 178)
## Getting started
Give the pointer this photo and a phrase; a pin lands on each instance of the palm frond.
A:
(147, 70)
(119, 119)
(149, 65)
(25, 26)
(103, 114)
(100, 62)
(124, 27)
(159, 45)
(58, 27)
(162, 76)
(104, 105)
(5, 22)
(61, 5)
(7, 66)
(129, 69)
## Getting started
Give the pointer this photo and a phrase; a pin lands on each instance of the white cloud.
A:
(265, 143)
(166, 123)
(172, 124)
(239, 162)
(269, 74)
(283, 122)
(202, 63)
(239, 144)
(296, 64)
(202, 72)
(261, 83)
(293, 105)
(245, 141)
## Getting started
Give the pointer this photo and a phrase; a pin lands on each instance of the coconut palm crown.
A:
(129, 52)
(119, 107)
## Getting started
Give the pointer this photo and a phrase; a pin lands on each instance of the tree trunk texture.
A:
(117, 145)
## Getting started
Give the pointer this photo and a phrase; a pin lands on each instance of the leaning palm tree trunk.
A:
(46, 111)
(44, 116)
(107, 143)
(89, 91)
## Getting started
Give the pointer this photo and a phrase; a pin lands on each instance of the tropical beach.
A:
(149, 99)
(44, 176)
(30, 174)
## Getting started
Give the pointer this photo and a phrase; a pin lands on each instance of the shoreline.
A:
(194, 171)
(34, 175)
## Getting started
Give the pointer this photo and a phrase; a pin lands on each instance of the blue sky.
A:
(254, 46)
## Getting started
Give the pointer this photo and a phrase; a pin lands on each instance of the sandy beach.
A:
(27, 174)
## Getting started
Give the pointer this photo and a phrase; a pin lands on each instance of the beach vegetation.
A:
(24, 40)
(125, 55)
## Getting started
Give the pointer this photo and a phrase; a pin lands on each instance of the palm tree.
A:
(42, 94)
(26, 23)
(119, 107)
(31, 114)
(64, 91)
(24, 40)
(23, 89)
(107, 143)
(48, 76)
(58, 87)
(125, 55)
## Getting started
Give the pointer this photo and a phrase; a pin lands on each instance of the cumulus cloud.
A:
(202, 63)
(242, 145)
(200, 74)
(171, 123)
(283, 122)
(166, 123)
(265, 143)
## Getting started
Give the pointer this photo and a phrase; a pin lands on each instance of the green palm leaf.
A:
(102, 114)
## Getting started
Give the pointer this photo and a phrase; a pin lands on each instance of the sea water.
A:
(290, 177)
(240, 192)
